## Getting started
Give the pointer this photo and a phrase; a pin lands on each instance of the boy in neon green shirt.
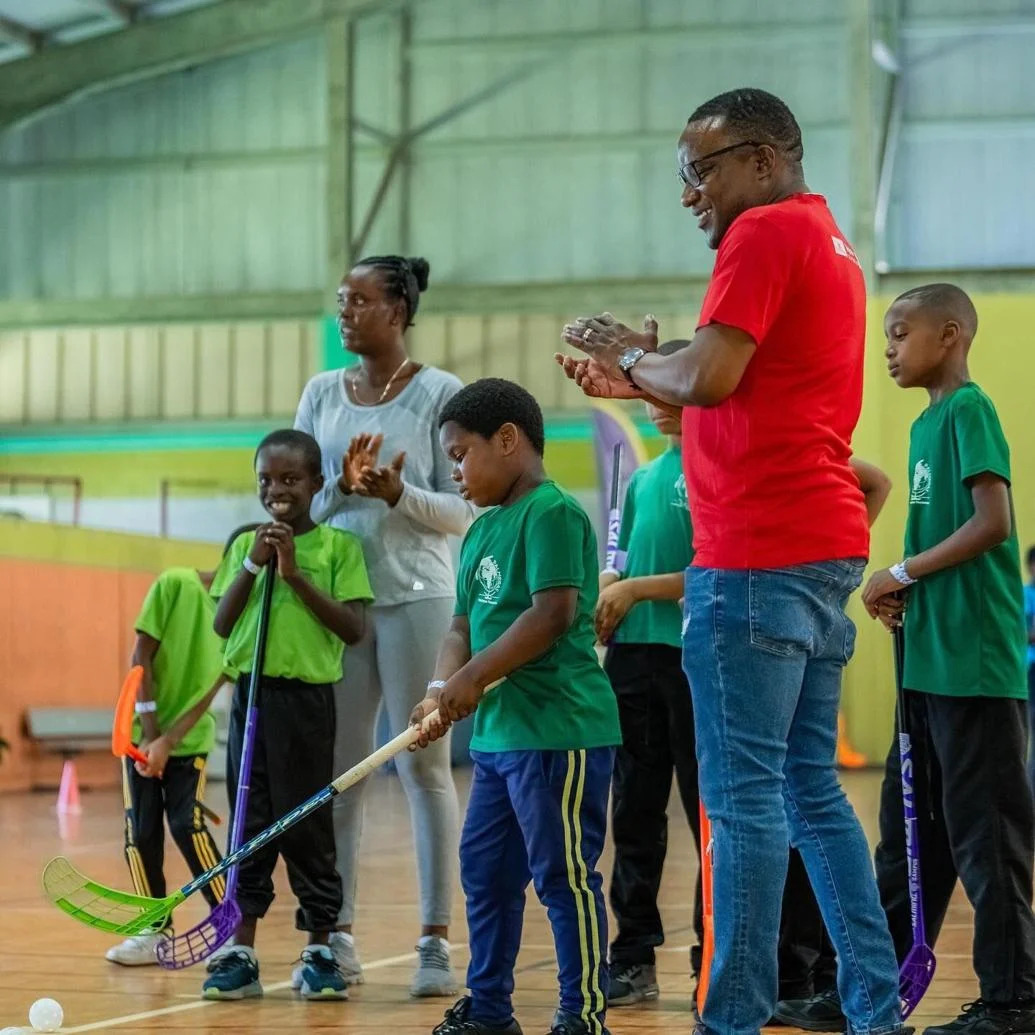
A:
(317, 607)
(182, 659)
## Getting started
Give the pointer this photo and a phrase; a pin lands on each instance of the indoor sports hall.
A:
(456, 465)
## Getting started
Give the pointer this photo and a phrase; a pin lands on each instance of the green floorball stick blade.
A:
(117, 912)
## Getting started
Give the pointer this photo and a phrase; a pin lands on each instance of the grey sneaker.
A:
(434, 974)
(344, 948)
(632, 983)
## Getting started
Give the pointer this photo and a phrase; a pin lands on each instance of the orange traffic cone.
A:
(68, 793)
(847, 756)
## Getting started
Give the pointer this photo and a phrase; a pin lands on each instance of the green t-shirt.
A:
(657, 538)
(298, 645)
(562, 700)
(965, 634)
(178, 613)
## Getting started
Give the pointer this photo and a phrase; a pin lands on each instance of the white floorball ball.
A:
(46, 1015)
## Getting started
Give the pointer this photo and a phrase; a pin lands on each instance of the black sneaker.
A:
(632, 983)
(458, 1022)
(984, 1018)
(565, 1023)
(820, 1012)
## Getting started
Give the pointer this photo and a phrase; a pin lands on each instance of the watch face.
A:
(630, 357)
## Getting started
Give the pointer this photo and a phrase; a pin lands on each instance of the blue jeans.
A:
(764, 650)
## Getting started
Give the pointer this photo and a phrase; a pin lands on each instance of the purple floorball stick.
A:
(917, 969)
(201, 941)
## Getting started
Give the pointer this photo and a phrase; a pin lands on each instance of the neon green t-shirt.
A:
(298, 645)
(178, 613)
(562, 700)
(657, 538)
(964, 626)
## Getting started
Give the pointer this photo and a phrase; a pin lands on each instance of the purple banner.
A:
(612, 426)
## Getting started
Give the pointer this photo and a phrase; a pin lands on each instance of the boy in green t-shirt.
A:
(964, 668)
(318, 605)
(182, 659)
(543, 744)
(638, 615)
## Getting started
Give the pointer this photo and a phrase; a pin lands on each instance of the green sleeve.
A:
(555, 539)
(980, 441)
(231, 564)
(349, 579)
(628, 512)
(462, 604)
(157, 606)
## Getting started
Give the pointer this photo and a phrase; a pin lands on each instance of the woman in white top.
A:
(389, 482)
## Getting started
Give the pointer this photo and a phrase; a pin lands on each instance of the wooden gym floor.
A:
(43, 953)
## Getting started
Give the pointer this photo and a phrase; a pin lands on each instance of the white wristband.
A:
(436, 684)
(900, 575)
(143, 707)
(249, 565)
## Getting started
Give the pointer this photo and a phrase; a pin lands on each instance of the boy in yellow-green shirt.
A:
(317, 607)
(182, 660)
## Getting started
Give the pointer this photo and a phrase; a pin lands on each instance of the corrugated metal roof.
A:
(28, 26)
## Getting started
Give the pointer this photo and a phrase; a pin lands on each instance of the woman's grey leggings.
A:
(394, 661)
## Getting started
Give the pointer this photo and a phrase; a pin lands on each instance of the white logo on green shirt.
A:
(921, 490)
(680, 498)
(490, 579)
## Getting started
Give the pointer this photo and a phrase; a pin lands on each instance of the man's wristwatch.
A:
(628, 359)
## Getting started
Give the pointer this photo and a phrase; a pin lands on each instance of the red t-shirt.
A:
(767, 470)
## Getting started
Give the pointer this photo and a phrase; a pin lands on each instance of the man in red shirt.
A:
(769, 391)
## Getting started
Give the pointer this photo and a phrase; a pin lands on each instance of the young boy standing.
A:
(964, 668)
(317, 606)
(638, 614)
(543, 744)
(182, 661)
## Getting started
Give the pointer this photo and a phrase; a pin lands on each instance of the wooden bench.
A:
(70, 731)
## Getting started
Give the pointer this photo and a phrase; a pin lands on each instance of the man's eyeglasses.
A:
(691, 175)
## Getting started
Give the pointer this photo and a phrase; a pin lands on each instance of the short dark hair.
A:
(1031, 556)
(236, 533)
(403, 279)
(290, 438)
(484, 406)
(947, 301)
(756, 115)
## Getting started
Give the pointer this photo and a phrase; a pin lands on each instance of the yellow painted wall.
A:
(518, 347)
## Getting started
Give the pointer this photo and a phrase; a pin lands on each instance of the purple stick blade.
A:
(917, 969)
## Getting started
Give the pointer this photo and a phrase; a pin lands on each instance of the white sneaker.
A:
(136, 952)
(343, 946)
(434, 976)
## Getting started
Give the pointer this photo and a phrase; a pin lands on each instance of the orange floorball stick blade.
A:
(125, 710)
(708, 909)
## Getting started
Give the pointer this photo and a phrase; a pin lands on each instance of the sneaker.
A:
(565, 1023)
(234, 974)
(434, 974)
(458, 1022)
(344, 948)
(632, 983)
(821, 1012)
(985, 1018)
(320, 977)
(138, 951)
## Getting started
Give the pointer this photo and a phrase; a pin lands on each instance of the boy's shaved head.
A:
(945, 302)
